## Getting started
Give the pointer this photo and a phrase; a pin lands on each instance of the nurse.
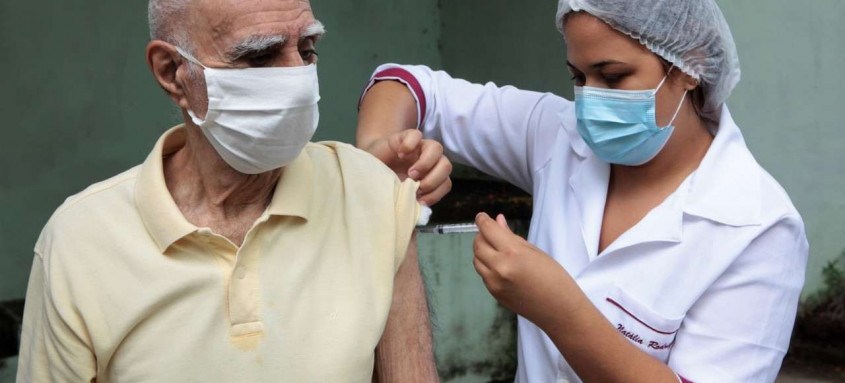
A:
(659, 250)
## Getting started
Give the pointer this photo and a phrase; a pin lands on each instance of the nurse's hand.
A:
(409, 155)
(519, 275)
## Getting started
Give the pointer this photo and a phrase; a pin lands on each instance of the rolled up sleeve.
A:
(502, 131)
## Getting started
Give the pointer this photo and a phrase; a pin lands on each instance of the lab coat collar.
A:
(726, 186)
(724, 189)
(589, 184)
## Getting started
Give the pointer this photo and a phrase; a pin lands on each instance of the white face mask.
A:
(259, 119)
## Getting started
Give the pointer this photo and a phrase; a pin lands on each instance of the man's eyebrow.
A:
(253, 44)
(316, 29)
(258, 43)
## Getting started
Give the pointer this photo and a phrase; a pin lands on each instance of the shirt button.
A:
(205, 235)
(241, 272)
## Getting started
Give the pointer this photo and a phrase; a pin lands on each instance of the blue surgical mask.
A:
(620, 125)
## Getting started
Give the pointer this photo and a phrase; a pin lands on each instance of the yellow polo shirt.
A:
(124, 289)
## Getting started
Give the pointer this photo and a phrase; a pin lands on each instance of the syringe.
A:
(450, 228)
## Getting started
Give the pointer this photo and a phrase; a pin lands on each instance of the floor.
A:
(8, 370)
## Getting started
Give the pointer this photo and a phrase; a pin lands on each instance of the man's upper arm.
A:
(51, 351)
(405, 352)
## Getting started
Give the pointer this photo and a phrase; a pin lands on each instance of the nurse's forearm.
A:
(387, 107)
(593, 348)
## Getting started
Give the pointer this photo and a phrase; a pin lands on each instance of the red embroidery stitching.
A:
(613, 302)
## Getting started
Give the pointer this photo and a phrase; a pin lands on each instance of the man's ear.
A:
(165, 63)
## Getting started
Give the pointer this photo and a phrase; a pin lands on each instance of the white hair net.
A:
(691, 34)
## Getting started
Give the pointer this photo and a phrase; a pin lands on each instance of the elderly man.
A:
(238, 251)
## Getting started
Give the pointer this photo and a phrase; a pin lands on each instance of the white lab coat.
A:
(708, 282)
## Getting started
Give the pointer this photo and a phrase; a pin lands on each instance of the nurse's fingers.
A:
(498, 236)
(431, 178)
(431, 155)
(481, 269)
(484, 252)
(503, 222)
(436, 195)
(405, 142)
(381, 149)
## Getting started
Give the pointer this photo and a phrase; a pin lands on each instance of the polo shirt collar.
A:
(294, 193)
(161, 216)
(165, 222)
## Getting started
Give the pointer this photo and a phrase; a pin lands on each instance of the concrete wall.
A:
(80, 105)
(789, 108)
(787, 105)
(510, 42)
(474, 337)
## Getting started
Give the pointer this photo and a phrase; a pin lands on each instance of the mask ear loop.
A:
(189, 57)
(678, 111)
(194, 118)
(666, 77)
(680, 104)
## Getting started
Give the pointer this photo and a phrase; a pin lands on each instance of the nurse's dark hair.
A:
(698, 97)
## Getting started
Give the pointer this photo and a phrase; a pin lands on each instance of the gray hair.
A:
(166, 19)
(167, 23)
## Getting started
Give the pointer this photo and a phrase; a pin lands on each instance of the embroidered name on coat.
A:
(634, 337)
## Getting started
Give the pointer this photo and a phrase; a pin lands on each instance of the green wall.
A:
(77, 100)
(510, 42)
(474, 337)
(789, 108)
(81, 105)
(787, 103)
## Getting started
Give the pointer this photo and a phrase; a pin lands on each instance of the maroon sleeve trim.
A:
(684, 380)
(405, 77)
(613, 302)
